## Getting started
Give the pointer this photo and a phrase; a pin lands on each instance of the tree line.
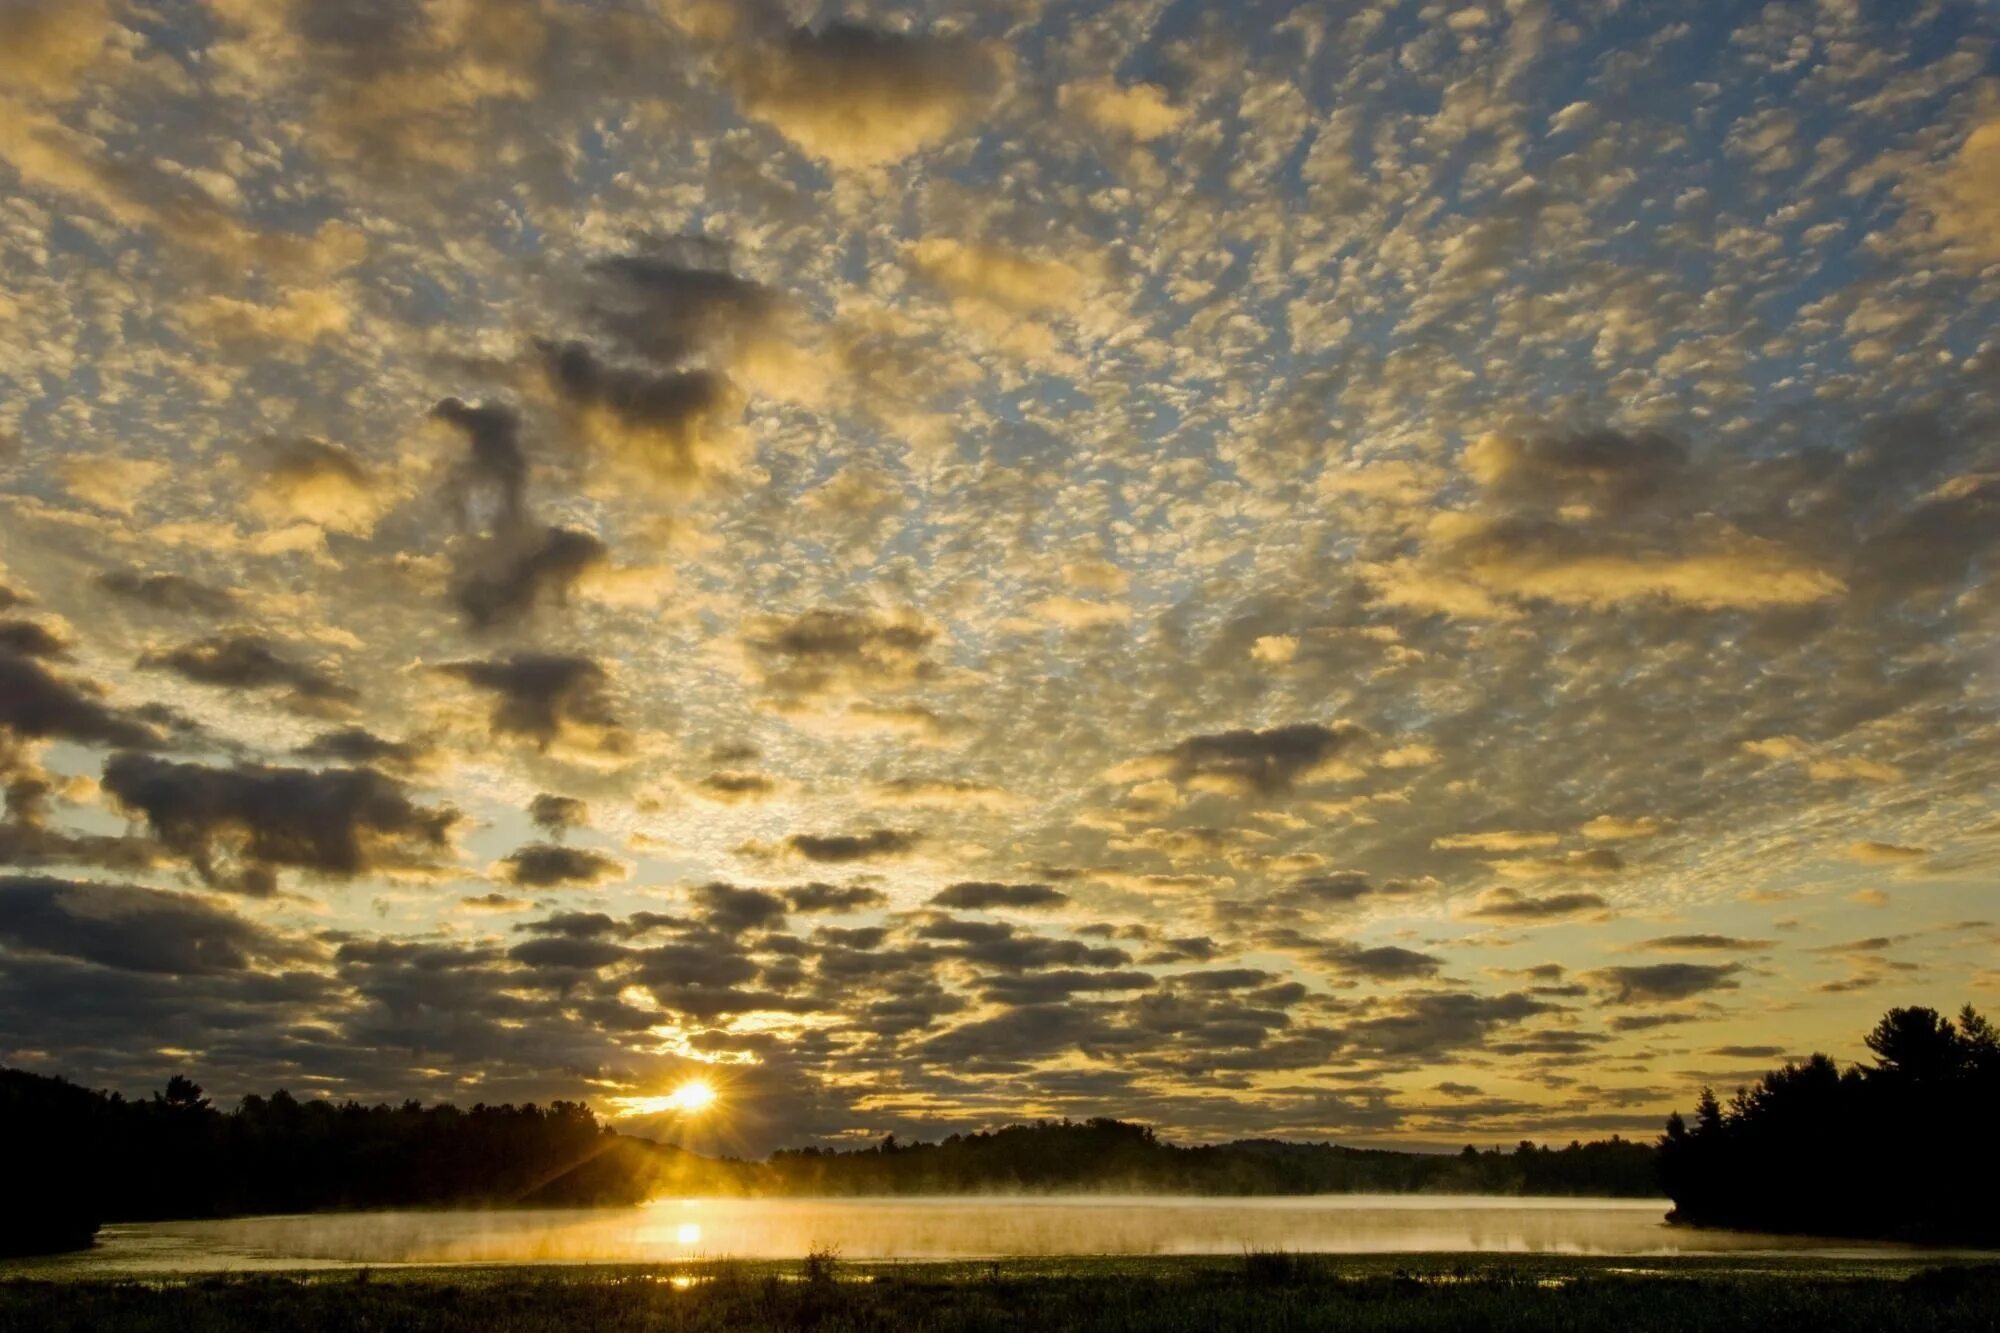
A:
(1104, 1155)
(1903, 1148)
(78, 1158)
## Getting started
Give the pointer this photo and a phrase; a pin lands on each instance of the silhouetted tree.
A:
(1900, 1148)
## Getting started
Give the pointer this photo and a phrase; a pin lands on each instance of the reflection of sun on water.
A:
(672, 1233)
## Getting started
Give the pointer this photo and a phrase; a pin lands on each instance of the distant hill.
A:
(87, 1157)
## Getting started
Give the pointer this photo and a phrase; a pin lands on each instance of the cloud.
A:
(997, 276)
(31, 638)
(1385, 962)
(497, 466)
(303, 316)
(239, 826)
(870, 845)
(1595, 519)
(45, 45)
(1700, 943)
(735, 910)
(1658, 983)
(38, 704)
(359, 746)
(1499, 840)
(312, 481)
(552, 700)
(859, 97)
(1517, 908)
(831, 652)
(557, 815)
(132, 929)
(1252, 763)
(1139, 112)
(545, 865)
(512, 577)
(1432, 1023)
(817, 897)
(985, 895)
(943, 794)
(174, 593)
(251, 662)
(111, 483)
(1965, 200)
(1612, 828)
(676, 431)
(673, 301)
(732, 787)
(1884, 853)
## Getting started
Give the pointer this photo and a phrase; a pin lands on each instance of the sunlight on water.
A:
(671, 1230)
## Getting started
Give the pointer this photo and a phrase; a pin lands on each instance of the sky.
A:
(1410, 573)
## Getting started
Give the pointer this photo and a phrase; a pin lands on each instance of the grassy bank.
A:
(1254, 1292)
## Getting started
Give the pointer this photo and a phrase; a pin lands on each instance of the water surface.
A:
(926, 1228)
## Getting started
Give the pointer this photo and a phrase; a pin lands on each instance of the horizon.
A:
(1382, 573)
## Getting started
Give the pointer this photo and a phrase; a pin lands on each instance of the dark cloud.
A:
(319, 482)
(545, 698)
(1437, 1022)
(1648, 1022)
(859, 96)
(1515, 907)
(666, 424)
(734, 910)
(1261, 763)
(828, 651)
(238, 826)
(174, 593)
(497, 468)
(674, 300)
(1058, 984)
(817, 897)
(251, 662)
(1656, 983)
(514, 575)
(1000, 945)
(1599, 471)
(983, 895)
(869, 845)
(1346, 888)
(357, 746)
(1694, 943)
(545, 865)
(556, 815)
(31, 638)
(131, 928)
(1225, 979)
(568, 954)
(37, 704)
(1386, 962)
(732, 786)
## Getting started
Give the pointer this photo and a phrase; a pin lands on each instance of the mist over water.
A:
(671, 1230)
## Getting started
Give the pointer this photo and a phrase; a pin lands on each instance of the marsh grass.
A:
(1261, 1292)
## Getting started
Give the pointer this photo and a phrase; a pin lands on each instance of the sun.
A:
(692, 1097)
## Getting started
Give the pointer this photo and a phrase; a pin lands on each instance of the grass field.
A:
(1257, 1291)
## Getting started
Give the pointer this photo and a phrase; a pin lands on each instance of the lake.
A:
(922, 1228)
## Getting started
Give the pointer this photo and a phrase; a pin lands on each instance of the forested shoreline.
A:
(101, 1157)
(1903, 1149)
